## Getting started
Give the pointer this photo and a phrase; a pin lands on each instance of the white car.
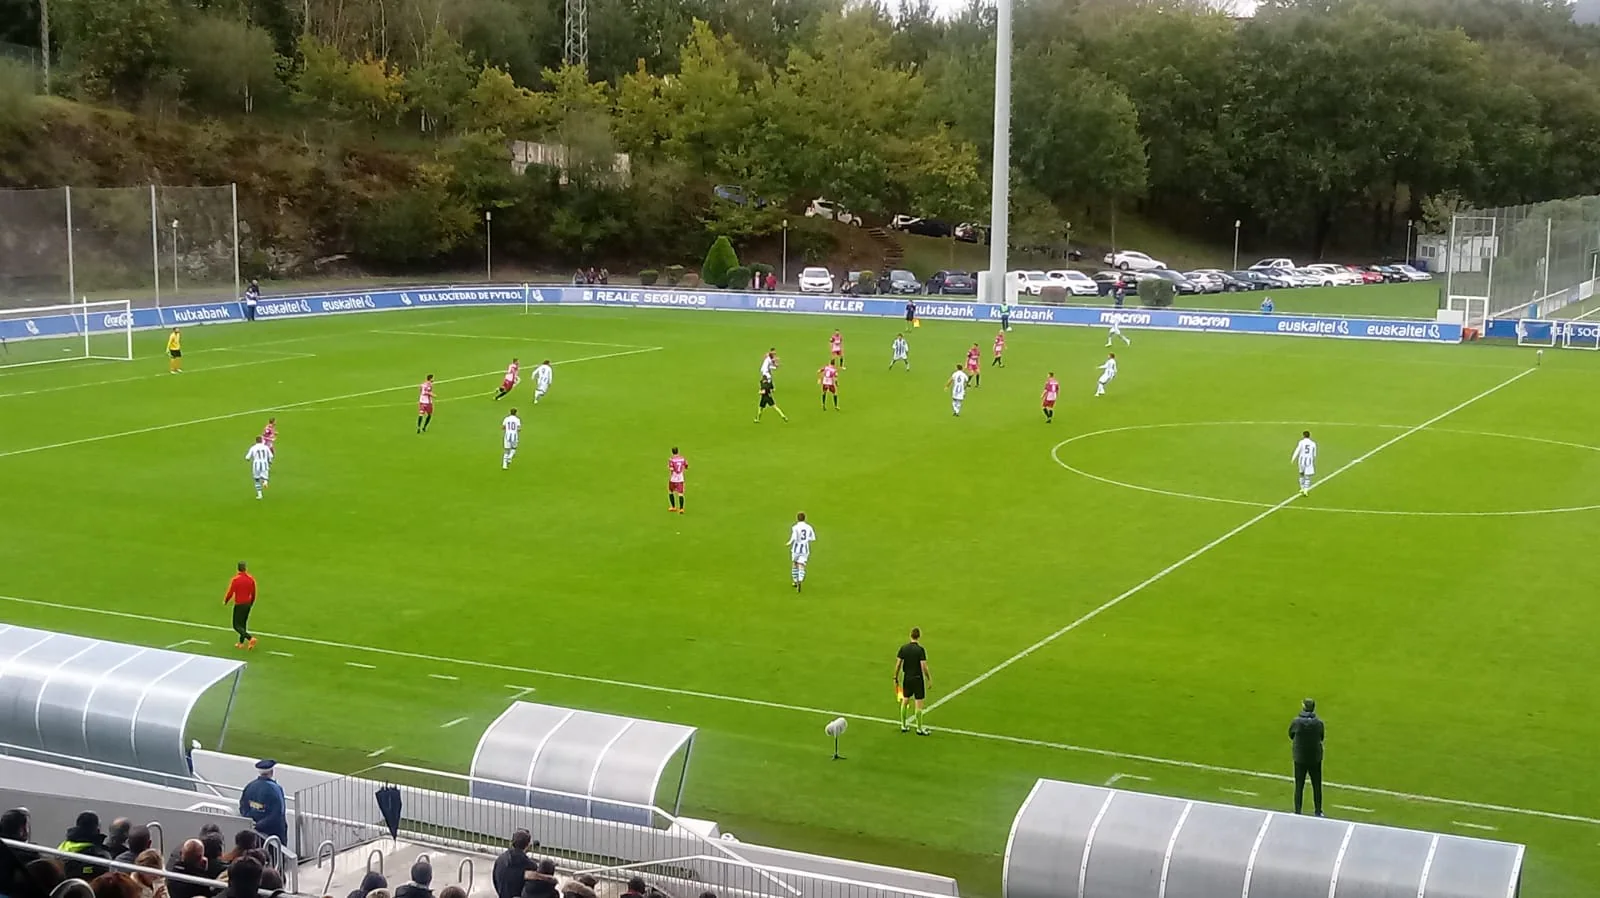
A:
(1076, 282)
(816, 280)
(1209, 280)
(1129, 260)
(1329, 275)
(1029, 282)
(821, 208)
(1416, 274)
(1283, 264)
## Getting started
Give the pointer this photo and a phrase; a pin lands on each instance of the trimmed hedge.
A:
(720, 259)
(739, 278)
(1157, 293)
(649, 276)
(674, 275)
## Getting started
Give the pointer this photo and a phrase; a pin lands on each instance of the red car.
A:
(1367, 277)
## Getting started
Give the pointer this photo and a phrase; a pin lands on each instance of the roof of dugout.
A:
(1076, 841)
(119, 704)
(581, 762)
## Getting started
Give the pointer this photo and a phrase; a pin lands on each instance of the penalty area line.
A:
(821, 712)
(1205, 549)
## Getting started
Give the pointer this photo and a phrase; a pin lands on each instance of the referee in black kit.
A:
(911, 681)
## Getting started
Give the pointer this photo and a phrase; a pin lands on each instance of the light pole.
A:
(1407, 256)
(783, 264)
(1000, 178)
(488, 245)
(174, 257)
(1236, 224)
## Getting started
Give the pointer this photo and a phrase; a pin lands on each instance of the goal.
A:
(1536, 332)
(86, 330)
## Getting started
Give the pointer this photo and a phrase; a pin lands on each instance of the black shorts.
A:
(914, 687)
(766, 400)
(175, 353)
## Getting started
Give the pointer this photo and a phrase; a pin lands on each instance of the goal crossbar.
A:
(39, 335)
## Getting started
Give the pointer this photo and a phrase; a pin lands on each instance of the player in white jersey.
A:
(260, 458)
(957, 385)
(801, 536)
(1116, 331)
(542, 376)
(902, 352)
(511, 427)
(1108, 373)
(1305, 460)
(769, 362)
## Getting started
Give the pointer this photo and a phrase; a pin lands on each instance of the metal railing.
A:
(119, 866)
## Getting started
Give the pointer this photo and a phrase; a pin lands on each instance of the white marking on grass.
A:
(360, 665)
(1246, 792)
(1482, 826)
(442, 677)
(279, 357)
(823, 712)
(520, 690)
(281, 654)
(294, 405)
(514, 338)
(1203, 550)
(1352, 809)
(1117, 777)
(183, 642)
(374, 754)
(450, 723)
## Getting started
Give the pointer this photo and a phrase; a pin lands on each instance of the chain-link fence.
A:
(1539, 260)
(151, 245)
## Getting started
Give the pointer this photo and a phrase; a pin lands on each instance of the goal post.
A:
(1536, 332)
(87, 330)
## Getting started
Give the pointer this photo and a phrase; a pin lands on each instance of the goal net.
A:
(86, 330)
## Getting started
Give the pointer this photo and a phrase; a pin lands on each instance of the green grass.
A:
(1374, 301)
(1451, 653)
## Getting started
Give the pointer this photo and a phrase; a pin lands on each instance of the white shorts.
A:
(1107, 378)
(957, 397)
(800, 557)
(1308, 470)
(511, 442)
(900, 356)
(261, 472)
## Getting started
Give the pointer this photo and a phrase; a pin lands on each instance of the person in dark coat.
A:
(262, 801)
(13, 861)
(421, 884)
(191, 862)
(1305, 735)
(542, 884)
(244, 878)
(85, 838)
(137, 841)
(514, 867)
(370, 883)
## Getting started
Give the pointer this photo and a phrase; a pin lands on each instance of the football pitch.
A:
(1132, 594)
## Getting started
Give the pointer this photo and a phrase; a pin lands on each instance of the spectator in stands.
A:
(605, 275)
(138, 841)
(452, 892)
(542, 883)
(13, 861)
(244, 842)
(514, 867)
(151, 885)
(370, 883)
(421, 884)
(45, 873)
(115, 885)
(708, 895)
(636, 889)
(117, 837)
(582, 887)
(271, 879)
(244, 878)
(263, 802)
(191, 862)
(772, 282)
(212, 844)
(85, 838)
(380, 893)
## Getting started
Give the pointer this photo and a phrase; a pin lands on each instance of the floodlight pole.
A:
(1236, 224)
(174, 257)
(155, 246)
(1000, 178)
(488, 245)
(783, 263)
(72, 276)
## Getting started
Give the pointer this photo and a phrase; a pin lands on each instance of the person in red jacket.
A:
(242, 595)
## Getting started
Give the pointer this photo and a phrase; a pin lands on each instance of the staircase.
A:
(893, 253)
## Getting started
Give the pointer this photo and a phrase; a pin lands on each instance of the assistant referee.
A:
(242, 595)
(911, 681)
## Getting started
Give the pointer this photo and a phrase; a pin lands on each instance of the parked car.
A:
(1279, 264)
(816, 279)
(1130, 260)
(1076, 282)
(1289, 277)
(1367, 275)
(821, 208)
(1414, 273)
(1257, 280)
(1330, 275)
(1029, 282)
(1181, 283)
(1106, 281)
(900, 281)
(1209, 281)
(952, 283)
(1389, 273)
(735, 194)
(972, 232)
(925, 227)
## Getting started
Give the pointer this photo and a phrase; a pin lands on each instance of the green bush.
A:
(1053, 296)
(720, 260)
(691, 280)
(411, 228)
(1156, 293)
(739, 278)
(761, 268)
(649, 276)
(674, 275)
(867, 283)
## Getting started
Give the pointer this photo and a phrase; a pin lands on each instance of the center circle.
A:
(1306, 504)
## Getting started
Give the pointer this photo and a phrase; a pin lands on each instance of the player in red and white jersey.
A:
(269, 435)
(974, 357)
(836, 349)
(425, 405)
(512, 379)
(676, 465)
(1052, 391)
(828, 377)
(999, 351)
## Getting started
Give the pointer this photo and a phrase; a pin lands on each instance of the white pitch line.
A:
(286, 357)
(184, 642)
(360, 665)
(1242, 792)
(1482, 826)
(450, 723)
(281, 654)
(823, 712)
(520, 690)
(374, 754)
(1203, 550)
(293, 405)
(1116, 777)
(1352, 808)
(442, 677)
(517, 338)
